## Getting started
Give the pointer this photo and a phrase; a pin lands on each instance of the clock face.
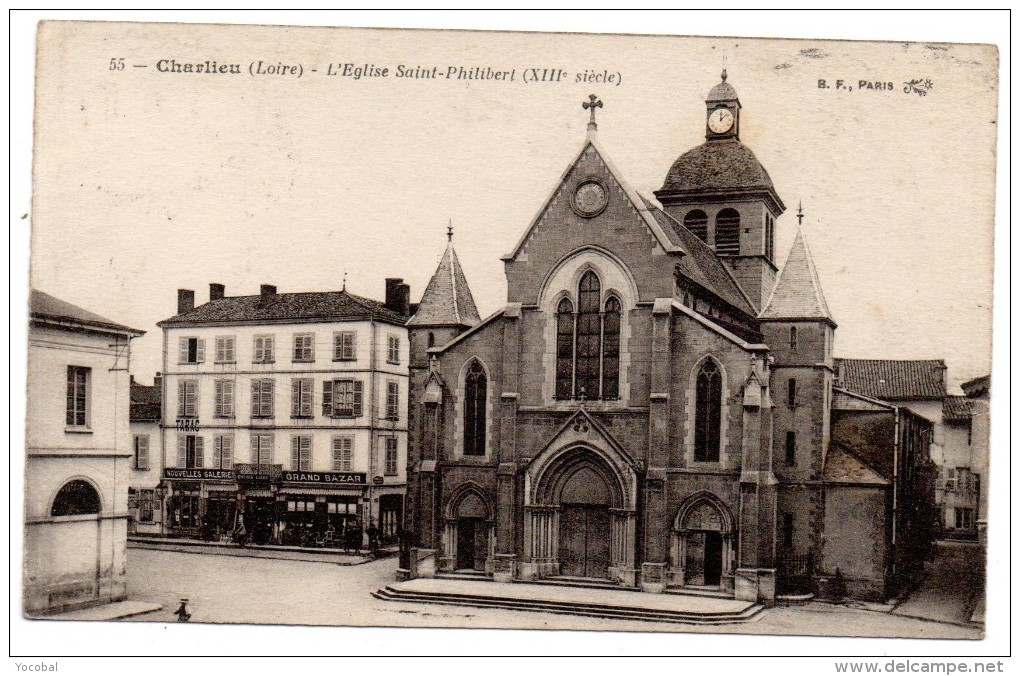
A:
(720, 121)
(590, 198)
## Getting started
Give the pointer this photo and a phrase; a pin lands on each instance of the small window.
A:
(727, 232)
(146, 505)
(432, 339)
(391, 456)
(392, 350)
(950, 479)
(191, 350)
(393, 400)
(187, 399)
(964, 518)
(78, 382)
(262, 449)
(304, 347)
(190, 451)
(791, 448)
(343, 452)
(788, 531)
(342, 398)
(791, 392)
(793, 337)
(301, 453)
(225, 350)
(224, 407)
(141, 451)
(344, 346)
(262, 350)
(697, 222)
(301, 405)
(223, 451)
(262, 398)
(770, 237)
(75, 498)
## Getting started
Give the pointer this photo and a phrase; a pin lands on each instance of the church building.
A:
(651, 408)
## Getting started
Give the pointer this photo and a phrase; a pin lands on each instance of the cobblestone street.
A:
(231, 589)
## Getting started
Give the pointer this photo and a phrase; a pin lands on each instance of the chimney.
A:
(131, 379)
(404, 297)
(393, 293)
(216, 291)
(267, 291)
(185, 300)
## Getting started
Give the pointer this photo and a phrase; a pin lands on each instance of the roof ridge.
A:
(453, 278)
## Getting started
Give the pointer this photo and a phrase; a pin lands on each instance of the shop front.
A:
(322, 509)
(199, 502)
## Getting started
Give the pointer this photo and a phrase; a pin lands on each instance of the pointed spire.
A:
(447, 300)
(798, 292)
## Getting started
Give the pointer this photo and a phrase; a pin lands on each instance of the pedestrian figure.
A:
(373, 538)
(182, 613)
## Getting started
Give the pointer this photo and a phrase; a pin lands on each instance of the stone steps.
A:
(586, 609)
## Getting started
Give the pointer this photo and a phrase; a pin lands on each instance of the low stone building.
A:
(78, 456)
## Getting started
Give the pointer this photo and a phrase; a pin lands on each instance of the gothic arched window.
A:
(589, 338)
(611, 350)
(475, 386)
(76, 497)
(708, 412)
(564, 349)
(697, 222)
(727, 232)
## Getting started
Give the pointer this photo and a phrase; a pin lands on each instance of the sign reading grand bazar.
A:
(657, 405)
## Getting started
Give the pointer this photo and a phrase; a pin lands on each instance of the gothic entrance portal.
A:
(468, 533)
(585, 525)
(702, 542)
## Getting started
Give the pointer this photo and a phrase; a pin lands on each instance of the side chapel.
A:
(651, 408)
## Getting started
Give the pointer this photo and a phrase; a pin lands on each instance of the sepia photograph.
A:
(447, 329)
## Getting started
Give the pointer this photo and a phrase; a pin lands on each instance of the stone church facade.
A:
(650, 408)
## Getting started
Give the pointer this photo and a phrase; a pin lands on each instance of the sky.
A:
(147, 182)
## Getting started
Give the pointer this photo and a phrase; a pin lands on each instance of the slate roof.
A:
(956, 409)
(798, 292)
(145, 403)
(44, 306)
(723, 91)
(892, 379)
(842, 467)
(284, 307)
(978, 386)
(447, 300)
(718, 166)
(701, 265)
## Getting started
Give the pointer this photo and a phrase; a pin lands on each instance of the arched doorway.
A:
(468, 532)
(75, 498)
(702, 546)
(585, 525)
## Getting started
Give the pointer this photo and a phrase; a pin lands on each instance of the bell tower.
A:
(722, 117)
(722, 194)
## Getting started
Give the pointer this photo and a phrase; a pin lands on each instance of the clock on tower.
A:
(723, 114)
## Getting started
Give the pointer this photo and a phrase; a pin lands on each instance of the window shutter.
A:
(200, 352)
(295, 453)
(327, 397)
(226, 452)
(254, 449)
(348, 452)
(219, 399)
(305, 450)
(182, 451)
(228, 398)
(254, 399)
(199, 451)
(357, 398)
(230, 349)
(182, 356)
(181, 398)
(143, 452)
(338, 454)
(267, 398)
(354, 345)
(295, 398)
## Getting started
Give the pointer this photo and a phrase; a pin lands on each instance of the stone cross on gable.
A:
(591, 104)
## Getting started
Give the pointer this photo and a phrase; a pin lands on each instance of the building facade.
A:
(651, 407)
(284, 417)
(78, 452)
(145, 504)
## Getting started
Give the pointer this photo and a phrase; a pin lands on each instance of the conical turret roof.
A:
(447, 300)
(798, 293)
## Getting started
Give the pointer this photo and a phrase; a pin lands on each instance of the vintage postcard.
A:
(510, 330)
